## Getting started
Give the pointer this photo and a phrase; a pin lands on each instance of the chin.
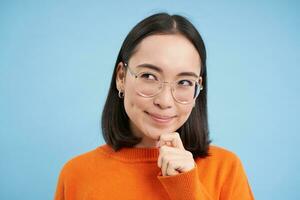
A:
(155, 133)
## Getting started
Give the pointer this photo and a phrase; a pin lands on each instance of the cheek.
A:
(134, 104)
(184, 114)
(135, 107)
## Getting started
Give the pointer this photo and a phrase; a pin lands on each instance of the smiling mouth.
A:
(159, 118)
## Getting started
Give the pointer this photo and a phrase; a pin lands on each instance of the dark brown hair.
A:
(194, 132)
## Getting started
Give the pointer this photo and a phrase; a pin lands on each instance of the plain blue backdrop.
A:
(56, 61)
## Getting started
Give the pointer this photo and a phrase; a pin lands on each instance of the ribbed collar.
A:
(132, 154)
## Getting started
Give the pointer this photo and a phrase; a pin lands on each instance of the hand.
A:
(173, 158)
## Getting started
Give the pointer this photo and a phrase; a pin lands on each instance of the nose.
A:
(164, 99)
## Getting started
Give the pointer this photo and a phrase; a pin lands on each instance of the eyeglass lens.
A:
(184, 91)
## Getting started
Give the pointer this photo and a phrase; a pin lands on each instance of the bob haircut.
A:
(194, 132)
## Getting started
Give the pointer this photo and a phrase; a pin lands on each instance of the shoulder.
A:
(221, 164)
(83, 161)
(217, 152)
(219, 157)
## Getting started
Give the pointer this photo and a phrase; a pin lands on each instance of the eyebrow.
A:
(153, 67)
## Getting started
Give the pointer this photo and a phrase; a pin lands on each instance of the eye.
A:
(148, 76)
(185, 83)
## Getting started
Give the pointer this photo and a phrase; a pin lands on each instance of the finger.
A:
(178, 165)
(171, 172)
(159, 160)
(161, 143)
(168, 152)
(171, 139)
(172, 168)
(163, 151)
(164, 166)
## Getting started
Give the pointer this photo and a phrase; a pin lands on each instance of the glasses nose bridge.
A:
(170, 83)
(162, 84)
(162, 90)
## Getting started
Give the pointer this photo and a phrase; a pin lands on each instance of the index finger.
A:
(173, 138)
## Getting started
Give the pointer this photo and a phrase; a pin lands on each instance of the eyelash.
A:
(146, 76)
(190, 83)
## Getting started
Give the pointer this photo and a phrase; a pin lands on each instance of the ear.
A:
(120, 77)
(201, 82)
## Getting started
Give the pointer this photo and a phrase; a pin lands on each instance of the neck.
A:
(129, 154)
(147, 143)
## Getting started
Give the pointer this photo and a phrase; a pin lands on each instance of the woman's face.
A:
(151, 117)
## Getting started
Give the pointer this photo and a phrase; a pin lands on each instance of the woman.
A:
(155, 125)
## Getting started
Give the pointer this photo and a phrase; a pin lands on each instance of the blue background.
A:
(56, 61)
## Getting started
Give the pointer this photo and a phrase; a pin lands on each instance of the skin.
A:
(173, 54)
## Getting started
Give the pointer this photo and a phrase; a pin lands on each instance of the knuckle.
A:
(189, 154)
(162, 137)
(177, 134)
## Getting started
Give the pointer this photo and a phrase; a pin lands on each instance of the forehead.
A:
(172, 53)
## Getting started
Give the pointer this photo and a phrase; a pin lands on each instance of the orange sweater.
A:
(132, 173)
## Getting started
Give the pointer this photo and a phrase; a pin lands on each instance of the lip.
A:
(160, 118)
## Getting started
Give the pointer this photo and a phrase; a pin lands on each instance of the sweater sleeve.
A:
(185, 185)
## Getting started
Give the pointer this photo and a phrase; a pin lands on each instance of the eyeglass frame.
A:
(164, 82)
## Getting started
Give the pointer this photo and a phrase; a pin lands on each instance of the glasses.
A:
(148, 84)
